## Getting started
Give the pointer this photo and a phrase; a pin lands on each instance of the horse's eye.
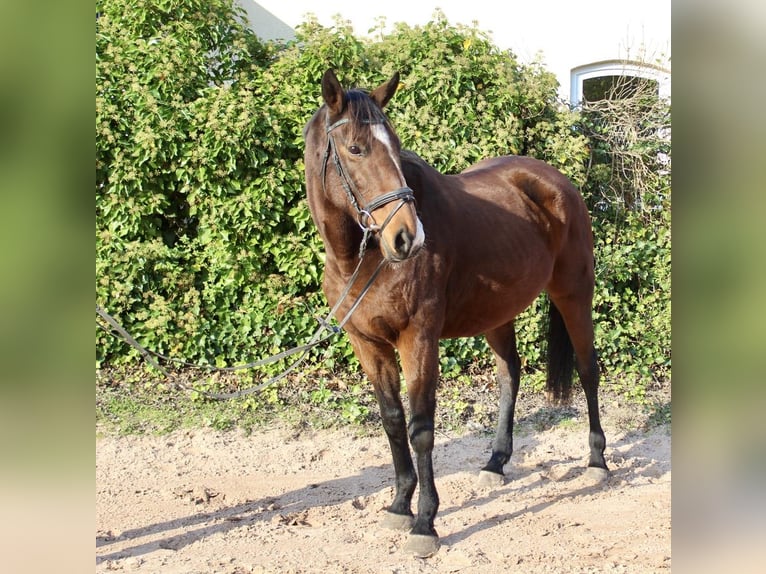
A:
(355, 150)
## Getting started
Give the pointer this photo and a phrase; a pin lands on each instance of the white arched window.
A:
(591, 81)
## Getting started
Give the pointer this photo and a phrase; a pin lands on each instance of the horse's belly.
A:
(486, 305)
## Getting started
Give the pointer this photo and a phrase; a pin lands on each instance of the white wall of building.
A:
(566, 34)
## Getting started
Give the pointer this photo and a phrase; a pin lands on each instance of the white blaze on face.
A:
(379, 133)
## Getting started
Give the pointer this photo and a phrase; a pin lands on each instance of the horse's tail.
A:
(560, 358)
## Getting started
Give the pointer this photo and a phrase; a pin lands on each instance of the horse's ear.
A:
(332, 92)
(384, 92)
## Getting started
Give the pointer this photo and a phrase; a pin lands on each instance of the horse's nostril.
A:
(403, 242)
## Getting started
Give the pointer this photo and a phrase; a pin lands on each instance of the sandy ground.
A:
(284, 500)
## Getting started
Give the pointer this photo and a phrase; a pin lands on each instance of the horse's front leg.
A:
(420, 364)
(380, 366)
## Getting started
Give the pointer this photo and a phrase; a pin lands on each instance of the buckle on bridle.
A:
(363, 218)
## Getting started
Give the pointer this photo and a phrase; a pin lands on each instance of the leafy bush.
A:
(205, 247)
(628, 192)
(196, 204)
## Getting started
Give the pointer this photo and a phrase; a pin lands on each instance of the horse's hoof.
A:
(422, 545)
(394, 521)
(488, 479)
(594, 475)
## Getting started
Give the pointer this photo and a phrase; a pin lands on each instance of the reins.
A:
(369, 227)
(316, 339)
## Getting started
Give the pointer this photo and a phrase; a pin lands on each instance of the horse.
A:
(451, 256)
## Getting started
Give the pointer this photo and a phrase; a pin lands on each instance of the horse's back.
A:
(540, 181)
(521, 189)
(544, 191)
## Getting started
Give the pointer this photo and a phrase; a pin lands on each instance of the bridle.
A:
(364, 212)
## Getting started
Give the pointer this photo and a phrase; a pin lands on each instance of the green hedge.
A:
(205, 249)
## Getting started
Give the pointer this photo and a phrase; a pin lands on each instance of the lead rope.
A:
(313, 342)
(316, 338)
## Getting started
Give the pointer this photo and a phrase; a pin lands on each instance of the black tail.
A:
(561, 358)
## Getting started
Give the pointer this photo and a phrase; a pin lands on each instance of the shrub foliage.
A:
(205, 249)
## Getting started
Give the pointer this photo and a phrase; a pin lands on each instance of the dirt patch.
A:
(287, 501)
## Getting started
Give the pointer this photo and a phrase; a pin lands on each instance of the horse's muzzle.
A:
(403, 244)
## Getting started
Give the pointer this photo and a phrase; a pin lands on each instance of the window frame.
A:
(580, 74)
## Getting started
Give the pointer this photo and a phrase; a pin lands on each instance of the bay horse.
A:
(458, 256)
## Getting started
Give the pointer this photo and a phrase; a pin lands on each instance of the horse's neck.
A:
(342, 245)
(341, 237)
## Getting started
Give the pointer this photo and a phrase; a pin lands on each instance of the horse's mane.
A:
(407, 155)
(413, 164)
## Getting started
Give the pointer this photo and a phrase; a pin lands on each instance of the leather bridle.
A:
(363, 211)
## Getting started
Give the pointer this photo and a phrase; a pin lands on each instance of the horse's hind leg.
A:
(503, 344)
(381, 368)
(587, 367)
(577, 317)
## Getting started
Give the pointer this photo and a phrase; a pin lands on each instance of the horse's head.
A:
(359, 169)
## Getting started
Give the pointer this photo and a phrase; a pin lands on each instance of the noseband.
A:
(363, 212)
